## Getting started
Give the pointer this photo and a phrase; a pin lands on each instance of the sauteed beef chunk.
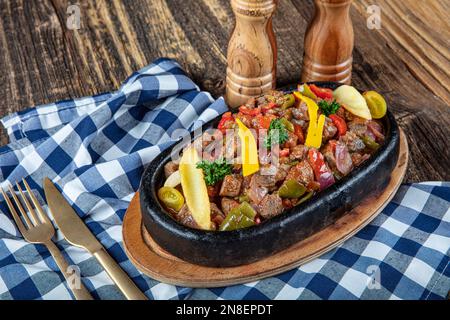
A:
(358, 126)
(213, 191)
(301, 112)
(228, 204)
(170, 168)
(353, 142)
(256, 192)
(291, 141)
(299, 152)
(328, 153)
(302, 173)
(265, 178)
(358, 158)
(270, 206)
(217, 215)
(329, 130)
(184, 216)
(231, 186)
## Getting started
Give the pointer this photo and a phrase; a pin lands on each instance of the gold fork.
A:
(39, 229)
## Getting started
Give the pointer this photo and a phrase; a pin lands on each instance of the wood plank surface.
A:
(407, 60)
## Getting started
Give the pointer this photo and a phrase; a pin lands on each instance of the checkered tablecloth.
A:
(95, 149)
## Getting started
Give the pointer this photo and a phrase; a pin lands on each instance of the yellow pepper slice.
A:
(249, 150)
(194, 188)
(315, 128)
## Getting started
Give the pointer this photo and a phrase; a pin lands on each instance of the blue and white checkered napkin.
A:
(95, 149)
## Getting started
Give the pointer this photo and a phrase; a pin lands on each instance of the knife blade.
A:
(78, 234)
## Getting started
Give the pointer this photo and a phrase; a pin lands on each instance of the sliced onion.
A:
(173, 180)
(343, 159)
(376, 130)
(325, 180)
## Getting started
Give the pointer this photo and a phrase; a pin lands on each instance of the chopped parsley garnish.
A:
(328, 108)
(277, 133)
(214, 171)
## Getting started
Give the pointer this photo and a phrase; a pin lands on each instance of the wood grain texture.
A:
(252, 52)
(329, 41)
(159, 264)
(407, 60)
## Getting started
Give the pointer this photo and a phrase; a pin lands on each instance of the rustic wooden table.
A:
(42, 61)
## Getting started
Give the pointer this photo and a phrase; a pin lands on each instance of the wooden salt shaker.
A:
(329, 43)
(252, 52)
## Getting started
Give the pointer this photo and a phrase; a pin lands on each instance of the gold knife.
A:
(78, 234)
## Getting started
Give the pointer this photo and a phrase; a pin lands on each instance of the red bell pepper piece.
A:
(298, 131)
(226, 117)
(322, 173)
(264, 121)
(339, 123)
(249, 111)
(284, 152)
(323, 93)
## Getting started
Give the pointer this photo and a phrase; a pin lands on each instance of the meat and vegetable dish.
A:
(274, 153)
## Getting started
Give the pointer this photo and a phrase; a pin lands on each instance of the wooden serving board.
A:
(158, 264)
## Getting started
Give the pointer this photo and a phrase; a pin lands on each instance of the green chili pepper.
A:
(230, 222)
(370, 143)
(171, 197)
(246, 209)
(240, 217)
(287, 124)
(289, 101)
(305, 90)
(243, 197)
(245, 222)
(291, 189)
(308, 196)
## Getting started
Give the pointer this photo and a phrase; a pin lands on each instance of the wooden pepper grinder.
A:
(329, 43)
(252, 52)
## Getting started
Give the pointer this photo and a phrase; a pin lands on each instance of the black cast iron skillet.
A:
(232, 248)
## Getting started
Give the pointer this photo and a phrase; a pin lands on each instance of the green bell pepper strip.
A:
(287, 124)
(289, 101)
(305, 90)
(243, 198)
(291, 189)
(229, 223)
(370, 143)
(308, 196)
(245, 222)
(240, 217)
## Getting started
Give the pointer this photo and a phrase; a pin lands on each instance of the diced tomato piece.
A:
(226, 117)
(249, 111)
(339, 123)
(268, 107)
(284, 152)
(323, 93)
(264, 121)
(298, 131)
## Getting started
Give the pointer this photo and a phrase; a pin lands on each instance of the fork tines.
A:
(33, 219)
